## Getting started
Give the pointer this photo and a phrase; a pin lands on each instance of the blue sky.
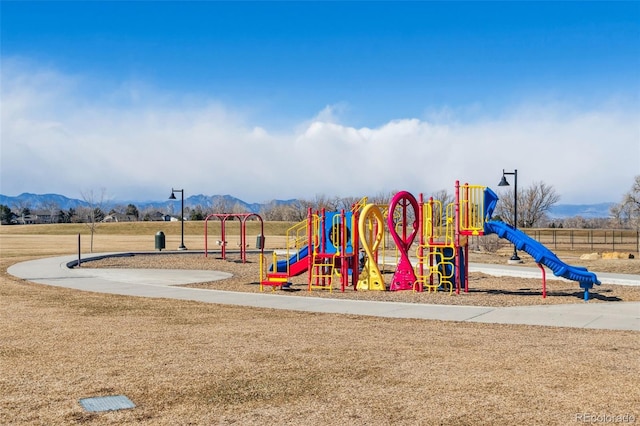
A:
(267, 100)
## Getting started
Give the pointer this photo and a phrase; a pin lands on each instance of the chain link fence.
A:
(595, 240)
(582, 240)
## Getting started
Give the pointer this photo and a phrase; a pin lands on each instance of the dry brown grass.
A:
(194, 363)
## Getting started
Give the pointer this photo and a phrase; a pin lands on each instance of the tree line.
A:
(534, 204)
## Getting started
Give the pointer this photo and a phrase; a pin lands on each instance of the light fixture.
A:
(505, 182)
(173, 197)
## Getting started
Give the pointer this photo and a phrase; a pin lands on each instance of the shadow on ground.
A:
(538, 293)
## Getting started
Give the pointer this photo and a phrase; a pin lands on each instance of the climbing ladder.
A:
(439, 270)
(323, 269)
(436, 251)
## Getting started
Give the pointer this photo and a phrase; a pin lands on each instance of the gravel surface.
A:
(484, 290)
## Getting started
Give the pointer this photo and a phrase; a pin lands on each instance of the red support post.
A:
(420, 219)
(355, 219)
(544, 281)
(466, 268)
(206, 238)
(456, 221)
(431, 249)
(311, 249)
(224, 240)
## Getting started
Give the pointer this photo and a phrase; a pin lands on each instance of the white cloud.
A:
(331, 113)
(138, 143)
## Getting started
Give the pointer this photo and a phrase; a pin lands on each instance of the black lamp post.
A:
(504, 182)
(173, 197)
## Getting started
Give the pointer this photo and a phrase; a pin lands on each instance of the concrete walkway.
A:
(163, 283)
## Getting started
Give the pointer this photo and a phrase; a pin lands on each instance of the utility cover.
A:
(106, 403)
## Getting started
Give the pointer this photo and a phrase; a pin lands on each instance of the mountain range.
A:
(47, 201)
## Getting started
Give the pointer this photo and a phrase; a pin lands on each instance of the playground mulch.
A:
(484, 290)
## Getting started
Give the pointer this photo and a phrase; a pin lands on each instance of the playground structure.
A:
(442, 249)
(325, 245)
(242, 218)
(431, 245)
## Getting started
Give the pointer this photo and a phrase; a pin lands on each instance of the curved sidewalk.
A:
(164, 283)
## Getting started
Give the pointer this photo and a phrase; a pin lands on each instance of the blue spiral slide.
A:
(543, 255)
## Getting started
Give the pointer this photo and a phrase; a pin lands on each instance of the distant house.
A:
(158, 217)
(120, 217)
(38, 217)
(25, 219)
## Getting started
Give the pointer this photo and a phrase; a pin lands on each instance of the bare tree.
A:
(616, 216)
(347, 203)
(238, 208)
(53, 209)
(118, 208)
(271, 211)
(533, 204)
(628, 211)
(289, 212)
(383, 198)
(187, 212)
(220, 205)
(444, 197)
(148, 211)
(580, 222)
(95, 202)
(325, 202)
(23, 208)
(301, 209)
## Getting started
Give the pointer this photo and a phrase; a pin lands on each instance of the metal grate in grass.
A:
(106, 403)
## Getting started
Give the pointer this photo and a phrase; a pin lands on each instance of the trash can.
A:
(260, 242)
(160, 240)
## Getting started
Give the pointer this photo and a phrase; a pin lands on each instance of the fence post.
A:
(571, 238)
(613, 239)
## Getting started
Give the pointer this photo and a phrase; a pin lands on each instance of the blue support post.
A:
(586, 286)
